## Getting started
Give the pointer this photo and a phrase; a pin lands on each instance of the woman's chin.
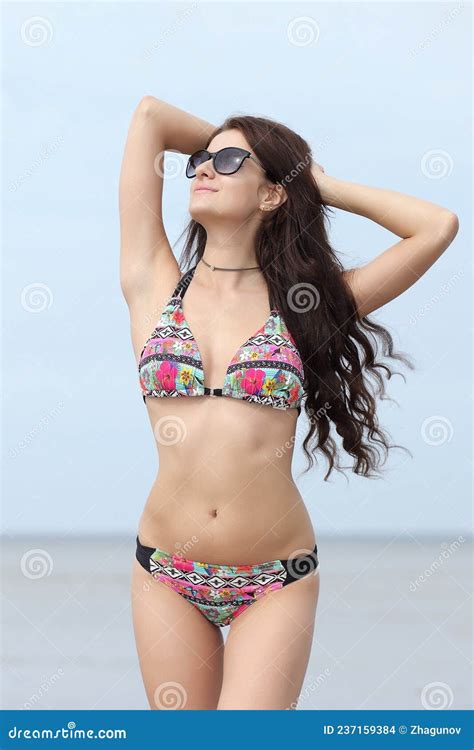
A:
(200, 213)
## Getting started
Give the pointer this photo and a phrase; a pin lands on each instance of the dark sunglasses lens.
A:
(228, 160)
(195, 160)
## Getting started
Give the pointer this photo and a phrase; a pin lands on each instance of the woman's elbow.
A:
(147, 104)
(452, 225)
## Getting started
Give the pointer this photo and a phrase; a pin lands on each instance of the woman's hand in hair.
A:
(320, 177)
(317, 168)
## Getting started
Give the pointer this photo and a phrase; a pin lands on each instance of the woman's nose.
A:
(205, 167)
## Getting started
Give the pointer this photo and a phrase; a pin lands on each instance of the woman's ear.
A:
(277, 195)
(282, 194)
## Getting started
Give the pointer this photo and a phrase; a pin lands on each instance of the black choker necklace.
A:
(217, 268)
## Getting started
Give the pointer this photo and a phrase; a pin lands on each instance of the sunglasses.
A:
(227, 160)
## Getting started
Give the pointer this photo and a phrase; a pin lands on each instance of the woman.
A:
(264, 315)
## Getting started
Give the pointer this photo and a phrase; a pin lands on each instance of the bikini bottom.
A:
(223, 592)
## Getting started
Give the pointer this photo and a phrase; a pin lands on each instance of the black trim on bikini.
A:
(144, 553)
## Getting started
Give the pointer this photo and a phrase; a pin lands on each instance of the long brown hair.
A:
(305, 279)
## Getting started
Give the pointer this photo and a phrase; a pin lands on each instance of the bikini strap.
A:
(183, 283)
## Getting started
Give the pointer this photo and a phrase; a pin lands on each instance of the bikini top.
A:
(267, 368)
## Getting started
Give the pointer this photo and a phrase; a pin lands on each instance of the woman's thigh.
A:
(268, 648)
(180, 652)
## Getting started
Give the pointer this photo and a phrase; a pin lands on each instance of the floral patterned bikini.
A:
(267, 369)
(222, 592)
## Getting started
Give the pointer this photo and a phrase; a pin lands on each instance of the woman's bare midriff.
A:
(224, 492)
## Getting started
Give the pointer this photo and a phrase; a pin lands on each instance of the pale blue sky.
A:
(382, 93)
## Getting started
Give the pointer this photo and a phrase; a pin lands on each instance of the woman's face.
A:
(233, 198)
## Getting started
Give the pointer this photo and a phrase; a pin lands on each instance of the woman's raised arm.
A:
(426, 229)
(145, 251)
